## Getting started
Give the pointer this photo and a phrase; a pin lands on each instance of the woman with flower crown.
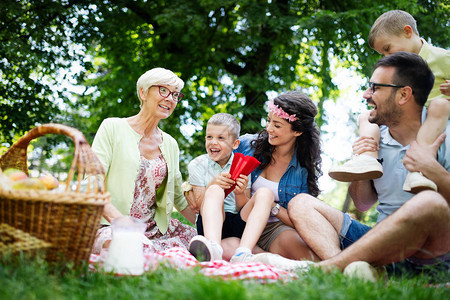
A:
(289, 152)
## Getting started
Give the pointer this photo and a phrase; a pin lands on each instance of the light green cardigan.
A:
(117, 146)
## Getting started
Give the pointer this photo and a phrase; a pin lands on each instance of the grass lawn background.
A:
(33, 279)
(24, 278)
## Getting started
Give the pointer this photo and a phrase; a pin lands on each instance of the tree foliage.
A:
(229, 52)
(34, 47)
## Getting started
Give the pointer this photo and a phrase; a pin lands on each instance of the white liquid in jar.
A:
(126, 254)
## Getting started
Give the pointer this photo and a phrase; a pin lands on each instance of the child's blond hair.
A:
(228, 120)
(391, 23)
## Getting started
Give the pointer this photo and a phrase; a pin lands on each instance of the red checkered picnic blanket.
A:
(181, 259)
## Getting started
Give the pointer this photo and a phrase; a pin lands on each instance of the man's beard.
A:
(386, 114)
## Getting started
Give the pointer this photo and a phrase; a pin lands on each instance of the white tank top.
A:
(260, 182)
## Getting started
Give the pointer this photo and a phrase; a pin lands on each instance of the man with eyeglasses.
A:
(395, 31)
(412, 231)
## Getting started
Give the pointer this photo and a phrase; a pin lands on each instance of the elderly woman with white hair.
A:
(141, 163)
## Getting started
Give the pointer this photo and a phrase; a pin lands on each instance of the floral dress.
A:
(151, 174)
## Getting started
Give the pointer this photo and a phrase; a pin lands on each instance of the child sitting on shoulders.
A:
(392, 32)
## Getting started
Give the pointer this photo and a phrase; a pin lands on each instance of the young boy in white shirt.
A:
(222, 217)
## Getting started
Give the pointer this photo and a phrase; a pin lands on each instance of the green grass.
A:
(179, 216)
(32, 278)
(24, 278)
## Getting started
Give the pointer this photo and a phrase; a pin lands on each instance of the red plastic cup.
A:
(241, 165)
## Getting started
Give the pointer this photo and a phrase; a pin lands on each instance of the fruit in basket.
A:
(28, 184)
(49, 181)
(18, 180)
(15, 174)
(5, 182)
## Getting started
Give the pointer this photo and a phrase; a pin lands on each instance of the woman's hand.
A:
(110, 212)
(365, 144)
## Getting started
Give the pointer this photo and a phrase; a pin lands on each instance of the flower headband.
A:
(280, 112)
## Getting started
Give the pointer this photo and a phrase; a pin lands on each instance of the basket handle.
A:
(44, 129)
(85, 162)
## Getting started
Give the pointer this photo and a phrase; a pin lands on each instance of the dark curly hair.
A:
(307, 144)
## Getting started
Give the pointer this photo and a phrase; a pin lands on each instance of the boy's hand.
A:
(365, 144)
(445, 88)
(241, 184)
(223, 180)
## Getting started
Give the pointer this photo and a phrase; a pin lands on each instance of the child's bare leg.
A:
(213, 213)
(364, 166)
(434, 125)
(230, 245)
(208, 248)
(256, 213)
(367, 129)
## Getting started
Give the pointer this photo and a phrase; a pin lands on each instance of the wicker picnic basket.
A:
(64, 223)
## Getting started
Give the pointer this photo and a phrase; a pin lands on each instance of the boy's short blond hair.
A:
(391, 23)
(228, 120)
